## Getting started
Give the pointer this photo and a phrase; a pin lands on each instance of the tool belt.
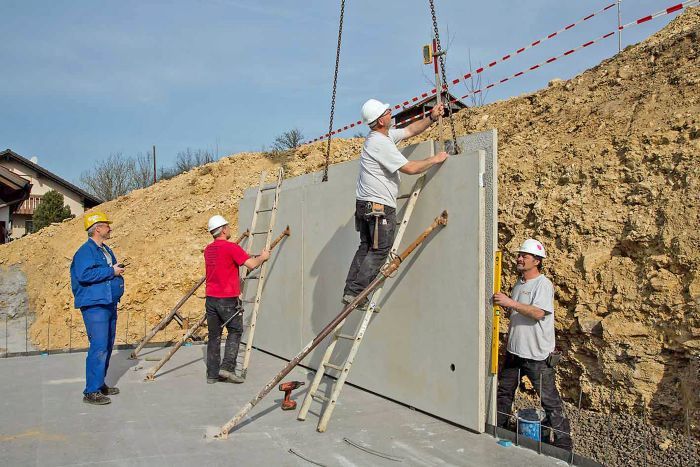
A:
(375, 211)
(553, 359)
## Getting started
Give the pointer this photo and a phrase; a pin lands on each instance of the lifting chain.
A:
(335, 84)
(444, 89)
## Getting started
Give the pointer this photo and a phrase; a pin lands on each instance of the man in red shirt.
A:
(222, 259)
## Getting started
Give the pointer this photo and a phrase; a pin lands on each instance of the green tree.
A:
(51, 209)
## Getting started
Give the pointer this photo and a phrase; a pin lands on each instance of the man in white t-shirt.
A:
(377, 188)
(530, 348)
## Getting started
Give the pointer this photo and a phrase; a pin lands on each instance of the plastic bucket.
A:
(530, 422)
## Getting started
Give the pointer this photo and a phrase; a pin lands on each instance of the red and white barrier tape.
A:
(479, 70)
(669, 10)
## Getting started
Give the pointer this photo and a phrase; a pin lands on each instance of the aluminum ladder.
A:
(356, 338)
(260, 277)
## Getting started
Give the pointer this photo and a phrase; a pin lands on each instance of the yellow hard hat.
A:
(95, 217)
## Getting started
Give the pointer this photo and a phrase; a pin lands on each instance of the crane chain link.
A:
(335, 84)
(444, 76)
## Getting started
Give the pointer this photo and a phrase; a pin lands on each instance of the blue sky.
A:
(85, 78)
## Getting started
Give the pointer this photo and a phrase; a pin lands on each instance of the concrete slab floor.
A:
(43, 421)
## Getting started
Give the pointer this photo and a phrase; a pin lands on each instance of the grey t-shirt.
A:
(379, 168)
(527, 337)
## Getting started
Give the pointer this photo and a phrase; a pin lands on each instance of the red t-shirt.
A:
(222, 259)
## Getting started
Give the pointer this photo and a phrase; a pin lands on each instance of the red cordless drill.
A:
(288, 387)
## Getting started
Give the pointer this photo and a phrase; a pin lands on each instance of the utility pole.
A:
(619, 27)
(154, 165)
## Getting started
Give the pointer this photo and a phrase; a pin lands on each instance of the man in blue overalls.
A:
(97, 283)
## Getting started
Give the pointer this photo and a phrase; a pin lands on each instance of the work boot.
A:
(348, 299)
(96, 398)
(212, 380)
(107, 391)
(230, 377)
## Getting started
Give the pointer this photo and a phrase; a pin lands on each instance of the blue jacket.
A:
(92, 279)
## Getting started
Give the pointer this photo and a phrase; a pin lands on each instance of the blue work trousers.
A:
(101, 325)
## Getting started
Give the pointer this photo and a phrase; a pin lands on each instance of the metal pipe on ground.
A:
(386, 272)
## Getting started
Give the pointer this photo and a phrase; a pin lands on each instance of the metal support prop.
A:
(152, 374)
(386, 272)
(345, 367)
(190, 332)
(496, 313)
(174, 312)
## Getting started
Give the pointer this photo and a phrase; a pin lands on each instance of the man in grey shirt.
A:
(377, 188)
(531, 344)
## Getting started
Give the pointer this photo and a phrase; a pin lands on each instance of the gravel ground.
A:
(623, 439)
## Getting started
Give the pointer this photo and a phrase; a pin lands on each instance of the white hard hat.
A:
(372, 110)
(215, 222)
(533, 247)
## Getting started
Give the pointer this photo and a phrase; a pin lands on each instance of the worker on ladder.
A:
(223, 304)
(531, 349)
(377, 188)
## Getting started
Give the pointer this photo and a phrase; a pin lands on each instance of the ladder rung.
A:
(404, 196)
(247, 301)
(335, 367)
(261, 232)
(345, 336)
(319, 397)
(251, 278)
(268, 187)
(265, 210)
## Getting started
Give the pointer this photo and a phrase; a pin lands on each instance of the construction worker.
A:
(97, 283)
(531, 349)
(377, 188)
(223, 304)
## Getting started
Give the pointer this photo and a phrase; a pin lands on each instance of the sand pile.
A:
(603, 168)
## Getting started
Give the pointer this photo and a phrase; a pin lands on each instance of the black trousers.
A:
(219, 310)
(367, 261)
(514, 368)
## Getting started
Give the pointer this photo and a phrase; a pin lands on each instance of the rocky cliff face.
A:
(603, 168)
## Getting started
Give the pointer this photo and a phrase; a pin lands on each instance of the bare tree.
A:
(477, 99)
(288, 140)
(142, 175)
(187, 159)
(109, 178)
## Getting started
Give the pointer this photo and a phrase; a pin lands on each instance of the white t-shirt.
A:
(527, 337)
(379, 167)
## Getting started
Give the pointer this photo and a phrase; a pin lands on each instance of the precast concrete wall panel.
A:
(487, 141)
(426, 347)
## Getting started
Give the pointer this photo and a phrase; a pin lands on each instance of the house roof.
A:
(13, 188)
(455, 103)
(90, 200)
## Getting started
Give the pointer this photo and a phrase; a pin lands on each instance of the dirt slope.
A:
(603, 168)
